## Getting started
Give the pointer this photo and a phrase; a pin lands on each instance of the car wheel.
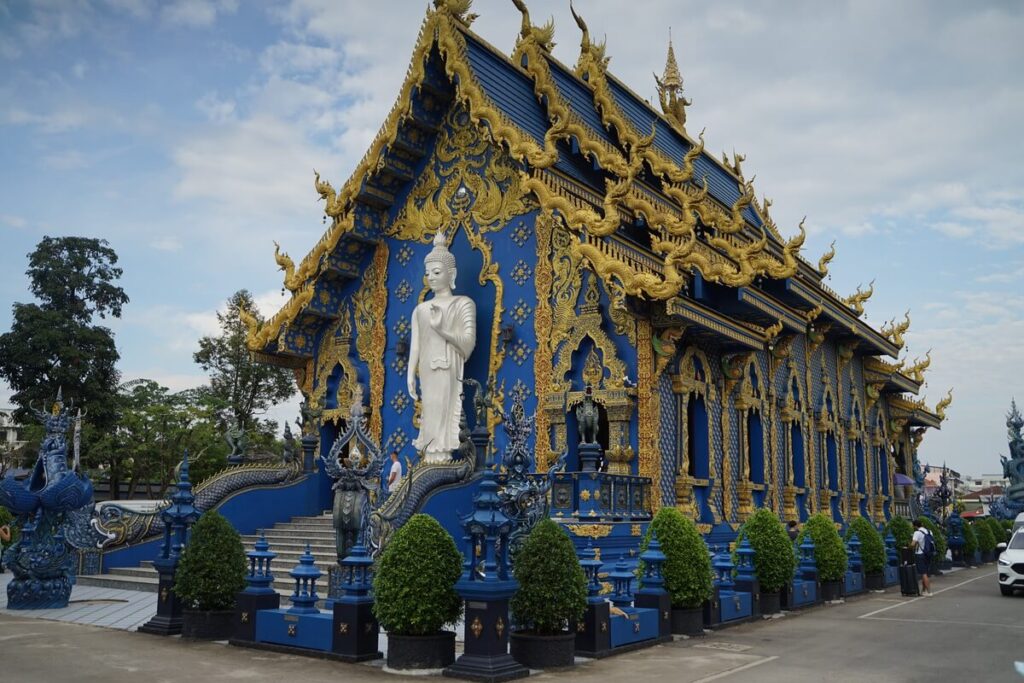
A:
(1006, 590)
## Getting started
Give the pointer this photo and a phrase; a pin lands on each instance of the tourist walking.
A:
(924, 551)
(394, 473)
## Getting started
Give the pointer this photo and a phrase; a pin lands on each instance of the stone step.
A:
(288, 534)
(127, 583)
(145, 572)
(300, 528)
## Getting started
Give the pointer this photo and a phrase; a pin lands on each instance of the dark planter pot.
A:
(771, 603)
(988, 556)
(688, 622)
(435, 651)
(543, 652)
(208, 625)
(874, 582)
(831, 590)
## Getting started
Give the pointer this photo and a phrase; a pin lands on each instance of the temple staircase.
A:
(287, 539)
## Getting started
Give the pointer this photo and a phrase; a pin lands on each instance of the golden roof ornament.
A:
(940, 407)
(543, 36)
(894, 332)
(670, 90)
(457, 9)
(826, 258)
(591, 53)
(916, 371)
(856, 300)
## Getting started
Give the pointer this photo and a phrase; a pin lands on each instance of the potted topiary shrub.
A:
(774, 561)
(211, 572)
(687, 568)
(414, 593)
(997, 530)
(970, 545)
(939, 536)
(829, 553)
(902, 530)
(986, 541)
(872, 552)
(552, 592)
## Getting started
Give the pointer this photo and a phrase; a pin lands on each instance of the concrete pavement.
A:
(968, 631)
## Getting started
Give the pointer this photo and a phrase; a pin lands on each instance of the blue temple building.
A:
(603, 247)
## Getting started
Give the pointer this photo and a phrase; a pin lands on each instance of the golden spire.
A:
(672, 78)
(670, 90)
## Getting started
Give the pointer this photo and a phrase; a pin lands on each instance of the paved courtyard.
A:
(966, 632)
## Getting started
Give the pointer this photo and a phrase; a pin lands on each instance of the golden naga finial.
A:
(916, 371)
(894, 332)
(670, 90)
(826, 258)
(856, 301)
(940, 407)
(543, 36)
(288, 266)
(252, 325)
(813, 314)
(457, 9)
(591, 54)
(332, 203)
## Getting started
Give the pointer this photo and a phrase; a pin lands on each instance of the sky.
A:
(185, 132)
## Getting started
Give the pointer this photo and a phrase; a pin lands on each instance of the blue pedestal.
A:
(637, 625)
(735, 605)
(311, 631)
(891, 575)
(805, 593)
(853, 583)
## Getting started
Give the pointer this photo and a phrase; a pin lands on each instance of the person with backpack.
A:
(924, 553)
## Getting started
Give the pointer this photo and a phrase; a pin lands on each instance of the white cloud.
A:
(66, 160)
(216, 109)
(166, 243)
(140, 9)
(16, 222)
(196, 13)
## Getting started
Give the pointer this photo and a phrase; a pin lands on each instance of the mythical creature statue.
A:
(285, 263)
(542, 35)
(524, 499)
(308, 416)
(588, 417)
(356, 478)
(290, 452)
(237, 440)
(1011, 503)
(481, 401)
(42, 561)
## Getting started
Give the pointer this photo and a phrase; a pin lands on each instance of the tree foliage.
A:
(986, 541)
(998, 531)
(970, 542)
(55, 343)
(414, 587)
(901, 530)
(872, 547)
(213, 565)
(552, 585)
(687, 569)
(829, 551)
(243, 388)
(774, 560)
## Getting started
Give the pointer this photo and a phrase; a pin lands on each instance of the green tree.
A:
(55, 343)
(242, 388)
(154, 429)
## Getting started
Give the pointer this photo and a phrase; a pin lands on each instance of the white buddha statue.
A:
(443, 336)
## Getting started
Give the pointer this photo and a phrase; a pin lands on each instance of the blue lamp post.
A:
(177, 518)
(486, 585)
(259, 591)
(746, 575)
(652, 593)
(593, 632)
(356, 631)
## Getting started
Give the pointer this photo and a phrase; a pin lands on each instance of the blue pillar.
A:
(652, 593)
(593, 632)
(746, 575)
(259, 591)
(177, 518)
(356, 631)
(306, 573)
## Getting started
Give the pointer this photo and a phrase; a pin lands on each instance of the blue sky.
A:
(185, 133)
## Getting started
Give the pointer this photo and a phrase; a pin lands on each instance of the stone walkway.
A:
(106, 607)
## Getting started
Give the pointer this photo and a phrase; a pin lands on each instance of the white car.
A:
(1011, 564)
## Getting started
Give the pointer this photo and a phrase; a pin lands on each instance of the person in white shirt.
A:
(394, 473)
(920, 559)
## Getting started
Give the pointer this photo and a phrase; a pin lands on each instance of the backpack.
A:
(928, 547)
